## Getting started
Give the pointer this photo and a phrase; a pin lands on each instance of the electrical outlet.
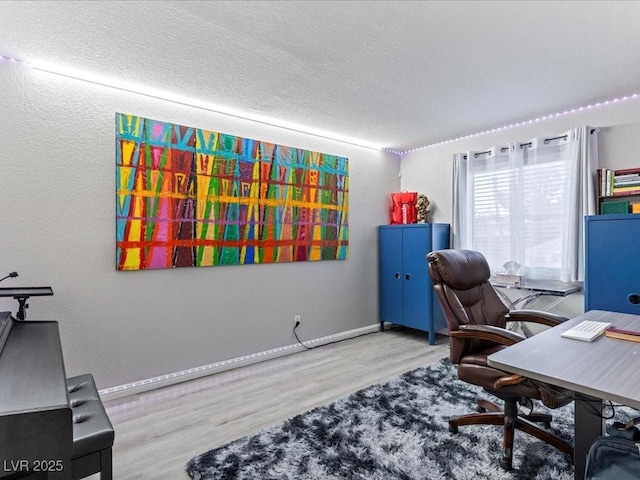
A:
(296, 321)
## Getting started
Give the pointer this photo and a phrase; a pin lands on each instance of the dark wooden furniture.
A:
(603, 369)
(477, 321)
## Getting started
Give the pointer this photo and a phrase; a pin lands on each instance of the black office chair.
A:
(477, 320)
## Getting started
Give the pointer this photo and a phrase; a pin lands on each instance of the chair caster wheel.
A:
(453, 429)
(480, 409)
(547, 425)
(506, 466)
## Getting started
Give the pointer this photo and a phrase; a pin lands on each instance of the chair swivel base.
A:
(511, 422)
(488, 406)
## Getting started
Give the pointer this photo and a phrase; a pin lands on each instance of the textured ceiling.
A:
(399, 74)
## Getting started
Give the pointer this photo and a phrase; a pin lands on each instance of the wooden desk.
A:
(605, 369)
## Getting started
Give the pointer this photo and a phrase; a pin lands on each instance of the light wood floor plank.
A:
(157, 432)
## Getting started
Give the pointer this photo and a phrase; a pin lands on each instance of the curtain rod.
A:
(528, 144)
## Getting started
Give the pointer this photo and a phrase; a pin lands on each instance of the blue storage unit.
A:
(612, 263)
(406, 293)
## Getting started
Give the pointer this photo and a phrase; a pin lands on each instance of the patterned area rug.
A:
(396, 430)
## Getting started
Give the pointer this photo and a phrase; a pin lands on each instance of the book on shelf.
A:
(627, 171)
(610, 177)
(613, 183)
(605, 182)
(625, 176)
(626, 182)
(613, 207)
(625, 188)
(630, 335)
(626, 191)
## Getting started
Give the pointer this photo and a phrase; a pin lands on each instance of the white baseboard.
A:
(197, 372)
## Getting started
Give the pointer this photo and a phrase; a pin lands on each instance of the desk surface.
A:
(606, 368)
(547, 287)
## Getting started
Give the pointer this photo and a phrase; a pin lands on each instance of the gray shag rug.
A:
(395, 430)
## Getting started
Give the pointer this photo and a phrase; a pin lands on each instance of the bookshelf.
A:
(618, 191)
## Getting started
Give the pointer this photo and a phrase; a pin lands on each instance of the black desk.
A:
(605, 369)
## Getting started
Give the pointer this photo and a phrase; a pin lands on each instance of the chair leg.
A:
(544, 435)
(510, 421)
(487, 406)
(542, 418)
(489, 418)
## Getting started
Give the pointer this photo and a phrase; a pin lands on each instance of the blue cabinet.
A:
(612, 263)
(406, 293)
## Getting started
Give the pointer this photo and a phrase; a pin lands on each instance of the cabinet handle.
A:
(397, 275)
(408, 276)
(634, 298)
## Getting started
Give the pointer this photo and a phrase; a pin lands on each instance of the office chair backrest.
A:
(461, 281)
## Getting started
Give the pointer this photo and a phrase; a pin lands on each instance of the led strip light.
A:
(149, 92)
(187, 101)
(204, 370)
(519, 124)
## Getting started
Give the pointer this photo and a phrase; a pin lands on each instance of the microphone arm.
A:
(11, 275)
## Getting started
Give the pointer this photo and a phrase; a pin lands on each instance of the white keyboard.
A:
(587, 330)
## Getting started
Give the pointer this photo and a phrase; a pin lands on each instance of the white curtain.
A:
(459, 225)
(525, 202)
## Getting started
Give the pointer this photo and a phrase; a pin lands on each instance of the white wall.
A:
(429, 170)
(57, 221)
(619, 146)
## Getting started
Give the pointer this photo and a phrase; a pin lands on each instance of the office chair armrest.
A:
(508, 380)
(535, 316)
(488, 332)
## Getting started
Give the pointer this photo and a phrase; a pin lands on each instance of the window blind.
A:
(517, 209)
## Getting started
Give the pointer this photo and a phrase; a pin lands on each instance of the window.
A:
(519, 202)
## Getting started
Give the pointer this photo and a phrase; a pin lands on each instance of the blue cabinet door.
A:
(406, 293)
(612, 263)
(416, 292)
(390, 272)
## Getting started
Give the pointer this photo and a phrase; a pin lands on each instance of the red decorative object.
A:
(403, 207)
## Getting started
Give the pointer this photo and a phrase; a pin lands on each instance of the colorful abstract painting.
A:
(189, 197)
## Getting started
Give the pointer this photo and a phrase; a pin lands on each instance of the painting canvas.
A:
(190, 197)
